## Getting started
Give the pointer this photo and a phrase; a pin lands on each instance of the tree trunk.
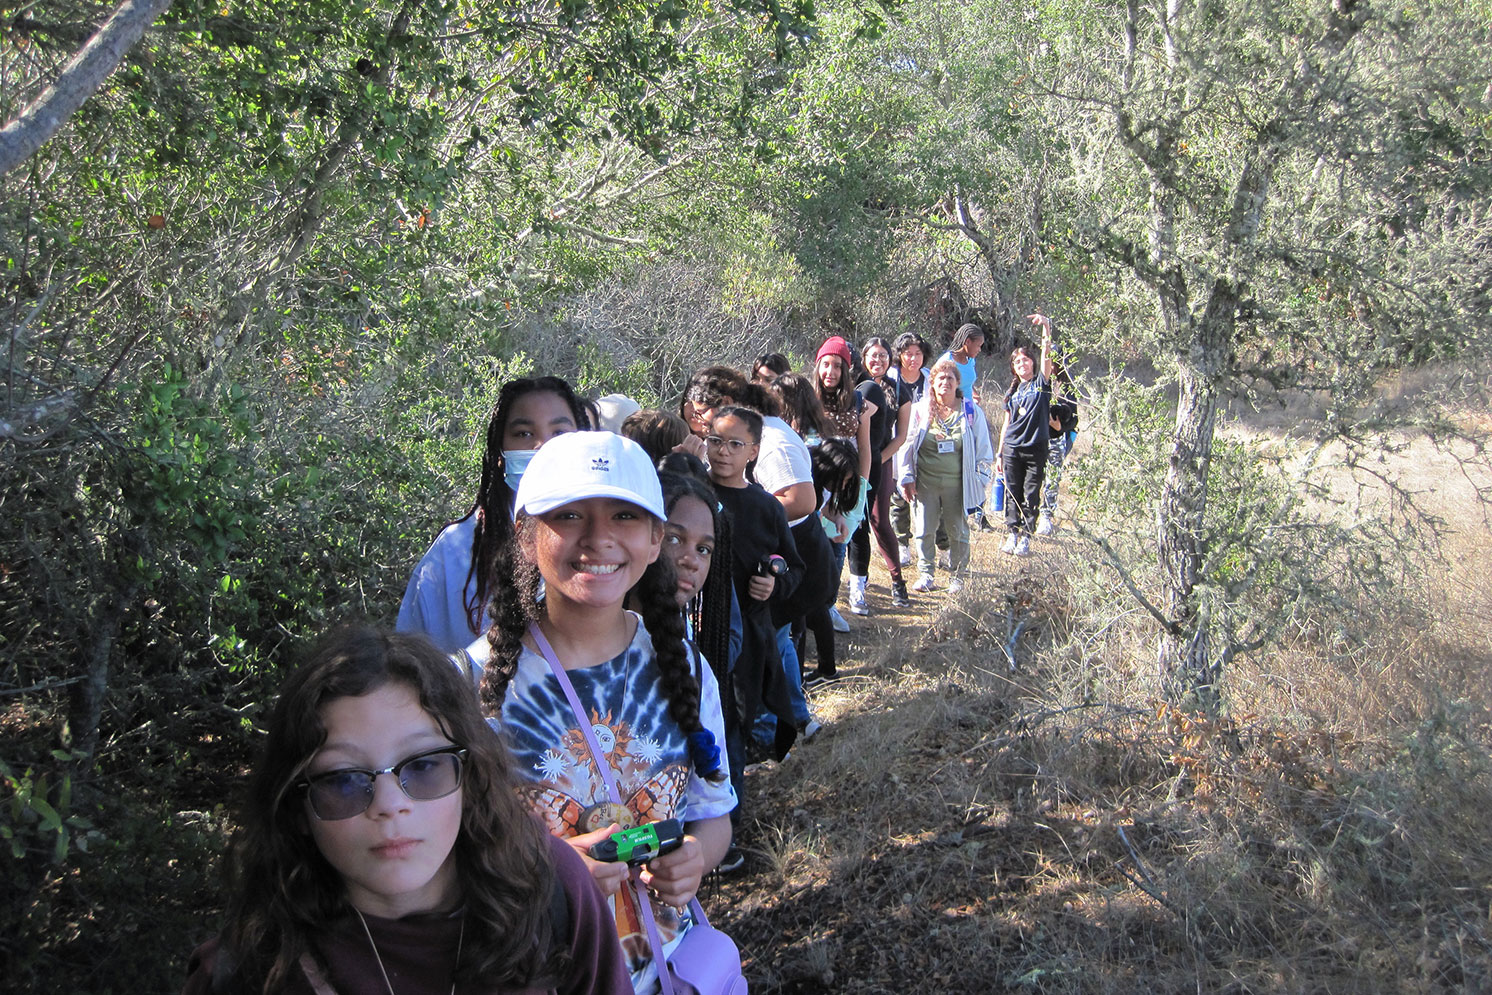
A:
(1185, 655)
(1189, 661)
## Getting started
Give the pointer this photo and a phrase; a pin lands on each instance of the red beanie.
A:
(835, 346)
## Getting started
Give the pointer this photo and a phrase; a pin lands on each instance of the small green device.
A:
(641, 843)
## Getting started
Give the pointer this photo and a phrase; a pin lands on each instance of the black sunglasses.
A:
(344, 793)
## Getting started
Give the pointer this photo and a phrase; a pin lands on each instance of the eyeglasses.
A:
(716, 442)
(342, 794)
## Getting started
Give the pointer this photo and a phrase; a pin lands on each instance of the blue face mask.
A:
(515, 461)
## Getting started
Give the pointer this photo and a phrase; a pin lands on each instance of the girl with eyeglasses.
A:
(383, 847)
(759, 531)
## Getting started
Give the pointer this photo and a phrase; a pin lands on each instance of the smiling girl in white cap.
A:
(590, 524)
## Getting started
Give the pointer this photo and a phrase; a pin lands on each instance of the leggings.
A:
(877, 520)
(818, 622)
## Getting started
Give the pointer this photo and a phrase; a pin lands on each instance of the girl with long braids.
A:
(696, 537)
(613, 717)
(453, 581)
(434, 877)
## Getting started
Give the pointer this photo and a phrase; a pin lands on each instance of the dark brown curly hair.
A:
(284, 892)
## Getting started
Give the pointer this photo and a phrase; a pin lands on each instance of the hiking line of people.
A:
(585, 663)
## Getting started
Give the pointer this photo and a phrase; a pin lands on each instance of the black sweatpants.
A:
(1025, 470)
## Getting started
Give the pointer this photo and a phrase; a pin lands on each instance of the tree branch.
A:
(79, 80)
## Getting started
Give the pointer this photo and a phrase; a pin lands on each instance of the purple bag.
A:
(706, 961)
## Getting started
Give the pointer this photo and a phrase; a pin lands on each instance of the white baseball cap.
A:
(614, 409)
(579, 465)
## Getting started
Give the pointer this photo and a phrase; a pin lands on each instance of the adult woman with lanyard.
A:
(943, 468)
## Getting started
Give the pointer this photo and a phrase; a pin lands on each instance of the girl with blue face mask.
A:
(447, 594)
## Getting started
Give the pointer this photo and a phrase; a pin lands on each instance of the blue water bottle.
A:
(1000, 493)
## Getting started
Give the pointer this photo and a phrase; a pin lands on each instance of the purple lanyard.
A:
(644, 902)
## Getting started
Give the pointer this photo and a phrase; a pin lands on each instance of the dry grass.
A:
(958, 827)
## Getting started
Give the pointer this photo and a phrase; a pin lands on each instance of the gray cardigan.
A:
(978, 452)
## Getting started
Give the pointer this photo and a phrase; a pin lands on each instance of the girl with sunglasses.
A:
(384, 847)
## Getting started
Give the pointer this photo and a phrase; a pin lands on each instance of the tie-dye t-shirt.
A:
(648, 754)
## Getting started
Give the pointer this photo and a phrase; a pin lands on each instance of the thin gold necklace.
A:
(460, 938)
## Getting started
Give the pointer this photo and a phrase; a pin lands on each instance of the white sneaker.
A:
(924, 583)
(905, 555)
(1045, 526)
(945, 560)
(858, 604)
(840, 625)
(1023, 547)
(955, 585)
(1010, 543)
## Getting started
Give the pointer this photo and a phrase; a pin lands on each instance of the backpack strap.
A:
(559, 912)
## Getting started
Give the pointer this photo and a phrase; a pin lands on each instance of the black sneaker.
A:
(899, 596)
(732, 862)
(819, 678)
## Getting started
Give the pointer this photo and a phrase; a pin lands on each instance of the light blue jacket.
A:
(978, 451)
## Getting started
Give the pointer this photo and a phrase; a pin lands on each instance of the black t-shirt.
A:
(914, 389)
(1029, 406)
(883, 422)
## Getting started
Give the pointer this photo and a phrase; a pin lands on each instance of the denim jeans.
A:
(765, 726)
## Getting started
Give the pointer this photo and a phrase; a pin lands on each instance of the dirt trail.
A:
(853, 883)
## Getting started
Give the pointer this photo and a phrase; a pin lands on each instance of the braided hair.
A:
(515, 605)
(655, 599)
(494, 501)
(965, 332)
(709, 611)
